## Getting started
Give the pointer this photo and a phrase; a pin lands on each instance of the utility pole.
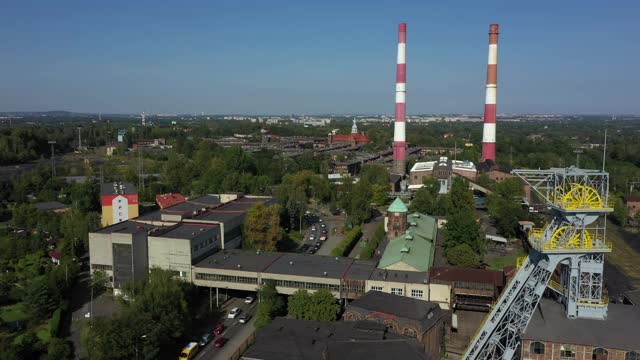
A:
(53, 161)
(79, 138)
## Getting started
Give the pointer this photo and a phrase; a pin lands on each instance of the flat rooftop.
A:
(253, 261)
(126, 227)
(189, 231)
(400, 306)
(618, 331)
(310, 265)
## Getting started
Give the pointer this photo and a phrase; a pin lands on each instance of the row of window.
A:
(306, 285)
(101, 267)
(415, 293)
(569, 352)
(227, 278)
(202, 244)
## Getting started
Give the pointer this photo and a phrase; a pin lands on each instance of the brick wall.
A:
(582, 352)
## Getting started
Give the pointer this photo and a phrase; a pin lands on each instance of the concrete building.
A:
(442, 170)
(551, 335)
(119, 202)
(173, 238)
(413, 318)
(290, 339)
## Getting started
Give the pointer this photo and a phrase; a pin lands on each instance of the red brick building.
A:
(352, 139)
(633, 204)
(551, 335)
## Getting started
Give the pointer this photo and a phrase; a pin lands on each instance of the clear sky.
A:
(309, 57)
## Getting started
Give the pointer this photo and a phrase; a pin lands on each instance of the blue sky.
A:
(310, 57)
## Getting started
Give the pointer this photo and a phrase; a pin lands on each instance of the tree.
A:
(59, 349)
(36, 298)
(270, 304)
(261, 227)
(297, 304)
(463, 255)
(504, 206)
(319, 306)
(620, 212)
(462, 225)
(423, 202)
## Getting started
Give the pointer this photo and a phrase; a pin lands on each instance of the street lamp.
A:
(141, 337)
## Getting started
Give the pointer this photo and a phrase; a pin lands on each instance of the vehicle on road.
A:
(313, 228)
(189, 351)
(219, 329)
(234, 312)
(312, 238)
(248, 300)
(220, 342)
(205, 339)
(244, 318)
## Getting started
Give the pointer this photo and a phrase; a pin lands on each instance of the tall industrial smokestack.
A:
(399, 143)
(489, 131)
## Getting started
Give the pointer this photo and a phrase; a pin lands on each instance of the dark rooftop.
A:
(127, 227)
(375, 350)
(618, 331)
(248, 260)
(408, 277)
(632, 198)
(633, 297)
(50, 205)
(451, 274)
(309, 265)
(289, 339)
(360, 270)
(400, 306)
(188, 231)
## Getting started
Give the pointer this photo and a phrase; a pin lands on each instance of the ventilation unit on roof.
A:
(325, 273)
(291, 263)
(239, 266)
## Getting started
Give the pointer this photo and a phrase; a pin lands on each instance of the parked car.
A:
(324, 231)
(204, 340)
(313, 228)
(312, 238)
(323, 238)
(323, 225)
(244, 318)
(248, 300)
(312, 250)
(219, 329)
(220, 342)
(234, 312)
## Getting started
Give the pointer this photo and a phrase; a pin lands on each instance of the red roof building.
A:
(170, 199)
(353, 139)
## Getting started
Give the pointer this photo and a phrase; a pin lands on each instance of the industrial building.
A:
(442, 170)
(119, 202)
(413, 318)
(172, 238)
(290, 339)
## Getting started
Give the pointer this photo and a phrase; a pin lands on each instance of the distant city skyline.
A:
(331, 57)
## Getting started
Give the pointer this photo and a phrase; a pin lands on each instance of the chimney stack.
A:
(489, 130)
(399, 143)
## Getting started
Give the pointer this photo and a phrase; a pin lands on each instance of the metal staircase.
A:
(574, 240)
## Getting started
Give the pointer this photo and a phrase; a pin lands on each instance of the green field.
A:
(498, 263)
(11, 313)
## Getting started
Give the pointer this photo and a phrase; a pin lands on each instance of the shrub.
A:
(347, 244)
(54, 324)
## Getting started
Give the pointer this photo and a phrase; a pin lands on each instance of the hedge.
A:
(373, 243)
(54, 323)
(346, 245)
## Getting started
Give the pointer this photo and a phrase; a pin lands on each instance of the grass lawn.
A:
(11, 313)
(498, 263)
(623, 256)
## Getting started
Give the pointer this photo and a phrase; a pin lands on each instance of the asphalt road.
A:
(233, 328)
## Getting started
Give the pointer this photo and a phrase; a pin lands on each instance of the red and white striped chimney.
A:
(399, 142)
(489, 130)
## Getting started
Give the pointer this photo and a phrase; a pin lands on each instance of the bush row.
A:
(346, 245)
(373, 243)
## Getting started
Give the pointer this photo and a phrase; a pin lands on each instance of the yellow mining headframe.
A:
(573, 241)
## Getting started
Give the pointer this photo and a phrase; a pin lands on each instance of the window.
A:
(600, 354)
(101, 267)
(537, 348)
(396, 291)
(226, 278)
(568, 351)
(376, 288)
(632, 355)
(409, 332)
(416, 293)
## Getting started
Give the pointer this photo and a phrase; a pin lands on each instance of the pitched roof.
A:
(416, 247)
(400, 306)
(618, 331)
(170, 199)
(398, 206)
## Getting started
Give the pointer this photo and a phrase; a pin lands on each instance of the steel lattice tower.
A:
(574, 241)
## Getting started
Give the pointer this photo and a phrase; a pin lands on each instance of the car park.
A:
(220, 342)
(219, 329)
(205, 339)
(233, 313)
(244, 318)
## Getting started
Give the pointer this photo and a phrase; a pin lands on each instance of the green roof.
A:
(397, 206)
(415, 250)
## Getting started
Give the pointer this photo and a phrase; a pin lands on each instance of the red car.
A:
(219, 342)
(219, 329)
